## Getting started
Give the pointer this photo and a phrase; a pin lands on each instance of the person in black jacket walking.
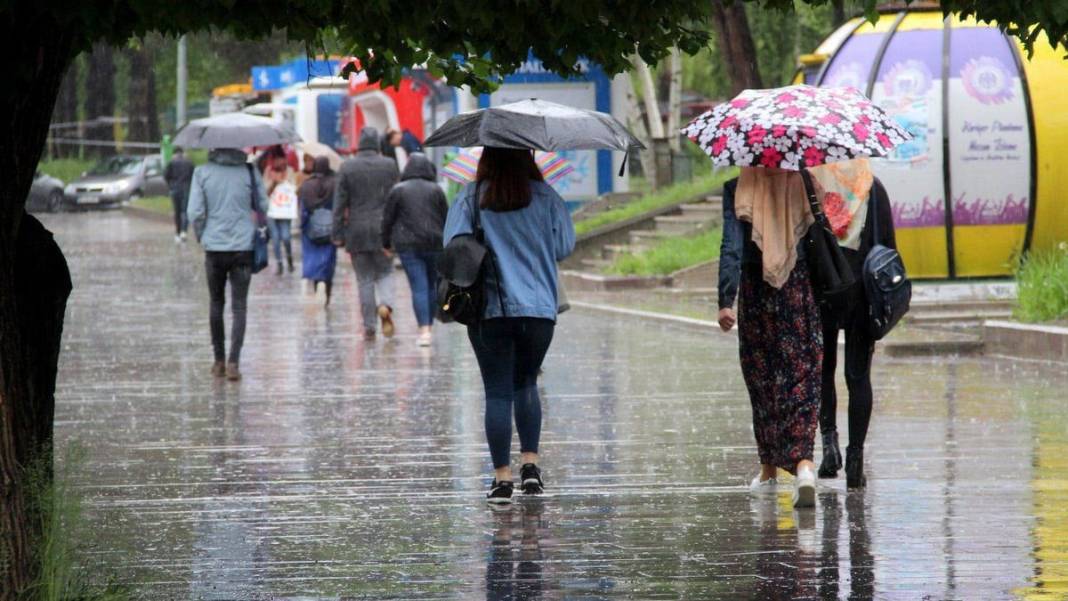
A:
(412, 225)
(851, 196)
(179, 176)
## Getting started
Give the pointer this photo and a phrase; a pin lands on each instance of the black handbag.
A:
(886, 284)
(260, 235)
(832, 277)
(462, 267)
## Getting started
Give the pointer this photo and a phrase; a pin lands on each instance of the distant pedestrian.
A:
(318, 254)
(392, 147)
(224, 194)
(412, 227)
(363, 183)
(410, 143)
(179, 176)
(527, 229)
(306, 169)
(282, 208)
(762, 263)
(856, 197)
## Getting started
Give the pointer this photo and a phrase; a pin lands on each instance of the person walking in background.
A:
(393, 148)
(856, 200)
(282, 207)
(762, 264)
(179, 176)
(412, 227)
(318, 254)
(223, 196)
(527, 231)
(306, 170)
(363, 183)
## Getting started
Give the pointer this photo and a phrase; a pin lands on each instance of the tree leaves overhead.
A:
(471, 42)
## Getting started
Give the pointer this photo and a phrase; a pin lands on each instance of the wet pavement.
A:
(344, 470)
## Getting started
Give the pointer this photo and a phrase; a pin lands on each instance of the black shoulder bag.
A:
(832, 277)
(260, 235)
(886, 285)
(462, 267)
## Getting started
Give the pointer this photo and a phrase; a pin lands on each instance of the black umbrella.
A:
(535, 124)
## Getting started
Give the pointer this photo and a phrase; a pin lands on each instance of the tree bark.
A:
(40, 52)
(838, 14)
(141, 104)
(736, 46)
(100, 99)
(66, 112)
(637, 125)
(674, 99)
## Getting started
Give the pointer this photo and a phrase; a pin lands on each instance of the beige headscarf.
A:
(774, 201)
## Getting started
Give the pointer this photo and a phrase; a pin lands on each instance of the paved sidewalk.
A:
(344, 470)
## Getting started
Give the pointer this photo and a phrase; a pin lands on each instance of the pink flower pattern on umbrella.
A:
(794, 127)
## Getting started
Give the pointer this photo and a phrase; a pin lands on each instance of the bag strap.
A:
(874, 208)
(480, 235)
(813, 203)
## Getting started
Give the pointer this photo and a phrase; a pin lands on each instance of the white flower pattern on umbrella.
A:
(795, 127)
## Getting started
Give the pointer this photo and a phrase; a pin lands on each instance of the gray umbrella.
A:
(234, 130)
(535, 124)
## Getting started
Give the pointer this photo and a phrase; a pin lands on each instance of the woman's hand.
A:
(727, 319)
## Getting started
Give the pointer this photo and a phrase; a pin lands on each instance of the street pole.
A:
(183, 76)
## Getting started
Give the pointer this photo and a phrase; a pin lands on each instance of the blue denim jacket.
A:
(526, 243)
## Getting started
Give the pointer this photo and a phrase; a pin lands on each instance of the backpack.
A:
(886, 284)
(321, 226)
(462, 267)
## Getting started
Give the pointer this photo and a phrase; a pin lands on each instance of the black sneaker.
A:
(530, 476)
(500, 493)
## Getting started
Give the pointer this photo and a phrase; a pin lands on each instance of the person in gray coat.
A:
(363, 183)
(221, 199)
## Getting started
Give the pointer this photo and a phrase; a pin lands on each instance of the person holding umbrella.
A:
(527, 230)
(226, 196)
(775, 136)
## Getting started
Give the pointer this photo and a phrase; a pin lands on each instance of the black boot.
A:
(854, 468)
(278, 268)
(832, 455)
(289, 262)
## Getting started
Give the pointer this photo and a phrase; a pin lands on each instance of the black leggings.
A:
(510, 351)
(858, 351)
(237, 267)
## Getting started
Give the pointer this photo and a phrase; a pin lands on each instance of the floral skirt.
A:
(781, 345)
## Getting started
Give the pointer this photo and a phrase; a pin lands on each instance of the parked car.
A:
(46, 193)
(116, 180)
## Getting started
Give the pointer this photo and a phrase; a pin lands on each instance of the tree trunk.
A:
(674, 99)
(100, 99)
(736, 45)
(838, 12)
(637, 125)
(141, 105)
(39, 52)
(66, 113)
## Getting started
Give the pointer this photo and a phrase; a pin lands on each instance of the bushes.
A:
(1042, 285)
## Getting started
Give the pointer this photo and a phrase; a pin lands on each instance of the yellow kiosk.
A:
(986, 175)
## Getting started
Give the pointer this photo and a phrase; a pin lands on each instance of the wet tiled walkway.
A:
(339, 469)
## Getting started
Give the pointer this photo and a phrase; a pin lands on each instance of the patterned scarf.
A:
(844, 188)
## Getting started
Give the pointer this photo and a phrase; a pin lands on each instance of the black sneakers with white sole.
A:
(500, 493)
(530, 479)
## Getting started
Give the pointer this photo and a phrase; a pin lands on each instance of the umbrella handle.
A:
(623, 166)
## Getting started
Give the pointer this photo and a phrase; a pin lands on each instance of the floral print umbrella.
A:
(794, 128)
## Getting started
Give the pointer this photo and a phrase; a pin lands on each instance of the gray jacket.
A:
(363, 183)
(220, 198)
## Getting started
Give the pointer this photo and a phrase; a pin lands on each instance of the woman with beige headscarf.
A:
(762, 266)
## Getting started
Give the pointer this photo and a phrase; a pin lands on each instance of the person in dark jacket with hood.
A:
(411, 226)
(318, 259)
(179, 176)
(363, 183)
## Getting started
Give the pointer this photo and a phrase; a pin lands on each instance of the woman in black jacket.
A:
(859, 343)
(412, 226)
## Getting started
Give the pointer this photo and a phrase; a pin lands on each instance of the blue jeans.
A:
(422, 274)
(510, 351)
(281, 234)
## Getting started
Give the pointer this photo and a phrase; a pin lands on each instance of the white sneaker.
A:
(425, 339)
(177, 239)
(183, 236)
(805, 493)
(320, 292)
(761, 487)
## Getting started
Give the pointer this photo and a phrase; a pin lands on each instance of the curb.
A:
(1026, 341)
(148, 215)
(701, 324)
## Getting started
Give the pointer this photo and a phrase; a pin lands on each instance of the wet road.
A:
(344, 470)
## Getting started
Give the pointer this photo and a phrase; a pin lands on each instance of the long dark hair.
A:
(506, 174)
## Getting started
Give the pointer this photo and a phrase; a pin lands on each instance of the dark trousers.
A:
(237, 268)
(178, 203)
(510, 351)
(420, 267)
(859, 348)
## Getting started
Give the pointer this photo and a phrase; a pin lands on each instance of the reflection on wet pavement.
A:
(339, 469)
